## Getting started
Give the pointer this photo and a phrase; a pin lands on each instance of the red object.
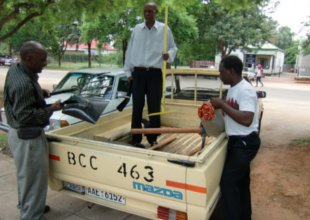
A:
(206, 111)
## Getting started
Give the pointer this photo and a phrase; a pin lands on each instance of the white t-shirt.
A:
(243, 98)
(259, 72)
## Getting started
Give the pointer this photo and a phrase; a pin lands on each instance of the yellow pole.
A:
(164, 68)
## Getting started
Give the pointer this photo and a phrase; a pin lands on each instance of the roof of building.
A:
(265, 46)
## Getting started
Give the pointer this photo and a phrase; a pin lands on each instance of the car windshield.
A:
(86, 84)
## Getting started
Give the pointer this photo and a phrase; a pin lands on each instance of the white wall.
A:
(303, 66)
(237, 53)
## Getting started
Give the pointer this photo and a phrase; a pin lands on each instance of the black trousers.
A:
(235, 181)
(146, 83)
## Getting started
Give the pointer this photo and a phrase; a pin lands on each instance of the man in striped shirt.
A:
(27, 114)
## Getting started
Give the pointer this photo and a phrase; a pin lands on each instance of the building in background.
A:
(83, 48)
(302, 66)
(268, 55)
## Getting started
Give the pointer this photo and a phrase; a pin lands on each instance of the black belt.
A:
(235, 137)
(138, 68)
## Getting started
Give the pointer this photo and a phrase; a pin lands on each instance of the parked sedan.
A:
(8, 61)
(2, 60)
(97, 85)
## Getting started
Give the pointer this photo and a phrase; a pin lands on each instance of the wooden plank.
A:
(164, 130)
(113, 134)
(162, 143)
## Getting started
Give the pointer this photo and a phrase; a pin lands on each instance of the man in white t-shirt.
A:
(241, 126)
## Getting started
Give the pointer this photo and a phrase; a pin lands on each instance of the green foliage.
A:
(291, 53)
(236, 5)
(4, 49)
(306, 43)
(199, 29)
(37, 33)
(284, 38)
(237, 29)
(111, 59)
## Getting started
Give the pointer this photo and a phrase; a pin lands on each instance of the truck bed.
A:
(185, 144)
(116, 127)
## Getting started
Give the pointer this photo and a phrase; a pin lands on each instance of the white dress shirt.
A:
(146, 47)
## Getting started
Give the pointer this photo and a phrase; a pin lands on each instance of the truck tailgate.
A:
(119, 177)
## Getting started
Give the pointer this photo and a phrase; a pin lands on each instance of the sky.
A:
(291, 13)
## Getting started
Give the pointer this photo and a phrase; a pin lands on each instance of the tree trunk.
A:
(89, 53)
(59, 60)
(124, 50)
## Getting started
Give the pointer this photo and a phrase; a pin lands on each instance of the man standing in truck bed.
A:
(144, 60)
(241, 125)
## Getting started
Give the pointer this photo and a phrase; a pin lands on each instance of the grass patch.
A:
(3, 141)
(301, 142)
(76, 66)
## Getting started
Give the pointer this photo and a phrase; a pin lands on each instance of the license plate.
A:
(74, 188)
(105, 195)
(108, 196)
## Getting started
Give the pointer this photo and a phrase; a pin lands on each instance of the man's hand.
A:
(46, 93)
(129, 78)
(56, 106)
(165, 56)
(217, 102)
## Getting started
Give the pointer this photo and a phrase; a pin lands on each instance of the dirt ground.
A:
(281, 170)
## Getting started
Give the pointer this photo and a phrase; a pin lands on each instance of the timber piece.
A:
(185, 142)
(162, 143)
(195, 141)
(195, 149)
(113, 134)
(164, 130)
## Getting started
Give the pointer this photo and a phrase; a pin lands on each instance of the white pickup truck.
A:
(177, 179)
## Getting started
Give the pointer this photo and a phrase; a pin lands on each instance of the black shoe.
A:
(137, 144)
(46, 209)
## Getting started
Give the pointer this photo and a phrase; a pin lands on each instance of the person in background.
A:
(259, 74)
(143, 63)
(27, 114)
(241, 126)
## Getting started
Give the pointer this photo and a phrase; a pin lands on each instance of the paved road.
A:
(46, 79)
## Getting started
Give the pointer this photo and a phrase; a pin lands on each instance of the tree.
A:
(291, 53)
(237, 29)
(65, 34)
(38, 33)
(15, 14)
(306, 43)
(284, 38)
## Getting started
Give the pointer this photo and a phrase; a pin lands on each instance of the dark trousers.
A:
(259, 79)
(149, 83)
(235, 181)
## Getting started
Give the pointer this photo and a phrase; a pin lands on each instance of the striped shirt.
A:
(23, 99)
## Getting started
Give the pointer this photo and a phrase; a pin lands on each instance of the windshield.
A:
(86, 84)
